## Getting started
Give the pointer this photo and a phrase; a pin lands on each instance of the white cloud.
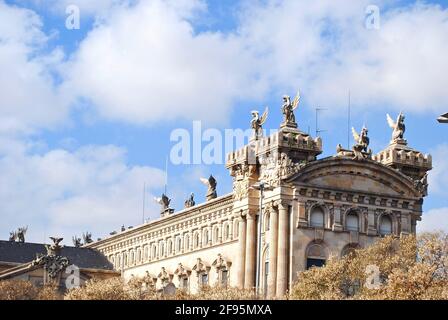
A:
(64, 193)
(325, 48)
(147, 64)
(438, 176)
(29, 99)
(434, 220)
(143, 60)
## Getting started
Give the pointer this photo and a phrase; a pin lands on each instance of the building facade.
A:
(311, 208)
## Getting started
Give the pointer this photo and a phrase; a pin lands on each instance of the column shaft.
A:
(273, 246)
(282, 263)
(251, 246)
(241, 252)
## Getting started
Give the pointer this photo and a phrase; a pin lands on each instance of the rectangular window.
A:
(204, 279)
(224, 277)
(185, 283)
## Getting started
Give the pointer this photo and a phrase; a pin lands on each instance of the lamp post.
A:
(262, 187)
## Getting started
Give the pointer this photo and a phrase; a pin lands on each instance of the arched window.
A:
(385, 225)
(227, 233)
(154, 252)
(352, 222)
(216, 235)
(119, 266)
(162, 249)
(315, 256)
(125, 259)
(196, 241)
(179, 244)
(169, 247)
(146, 253)
(139, 255)
(187, 242)
(348, 249)
(132, 258)
(205, 243)
(317, 217)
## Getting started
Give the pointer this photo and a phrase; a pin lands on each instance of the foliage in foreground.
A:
(409, 268)
(25, 290)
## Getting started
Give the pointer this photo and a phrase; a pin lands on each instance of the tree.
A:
(392, 268)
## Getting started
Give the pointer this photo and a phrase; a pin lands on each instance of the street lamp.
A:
(262, 187)
(443, 118)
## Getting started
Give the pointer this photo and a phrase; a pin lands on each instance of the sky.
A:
(88, 111)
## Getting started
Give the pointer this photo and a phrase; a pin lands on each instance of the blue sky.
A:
(87, 114)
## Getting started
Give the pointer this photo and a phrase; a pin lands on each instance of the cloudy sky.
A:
(86, 114)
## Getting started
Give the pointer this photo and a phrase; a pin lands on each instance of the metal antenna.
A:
(166, 174)
(348, 120)
(144, 195)
(318, 131)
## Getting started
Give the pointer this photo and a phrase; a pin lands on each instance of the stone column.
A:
(241, 252)
(371, 230)
(251, 248)
(273, 246)
(283, 237)
(337, 222)
(405, 225)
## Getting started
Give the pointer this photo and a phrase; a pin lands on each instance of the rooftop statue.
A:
(12, 236)
(211, 184)
(398, 127)
(257, 122)
(87, 237)
(21, 232)
(360, 149)
(76, 241)
(190, 201)
(362, 142)
(164, 201)
(288, 108)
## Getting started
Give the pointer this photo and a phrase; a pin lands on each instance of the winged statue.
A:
(13, 236)
(87, 237)
(190, 201)
(164, 201)
(361, 143)
(21, 232)
(76, 241)
(397, 126)
(257, 121)
(211, 184)
(289, 107)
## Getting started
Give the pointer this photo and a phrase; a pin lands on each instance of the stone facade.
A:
(311, 210)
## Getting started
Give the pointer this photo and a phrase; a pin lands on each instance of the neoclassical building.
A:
(311, 208)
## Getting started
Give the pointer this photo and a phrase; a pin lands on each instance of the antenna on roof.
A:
(144, 195)
(318, 131)
(348, 119)
(166, 174)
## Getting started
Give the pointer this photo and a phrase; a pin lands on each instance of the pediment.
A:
(365, 176)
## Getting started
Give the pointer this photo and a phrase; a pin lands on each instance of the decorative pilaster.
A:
(282, 263)
(337, 224)
(251, 245)
(303, 222)
(241, 251)
(371, 229)
(273, 249)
